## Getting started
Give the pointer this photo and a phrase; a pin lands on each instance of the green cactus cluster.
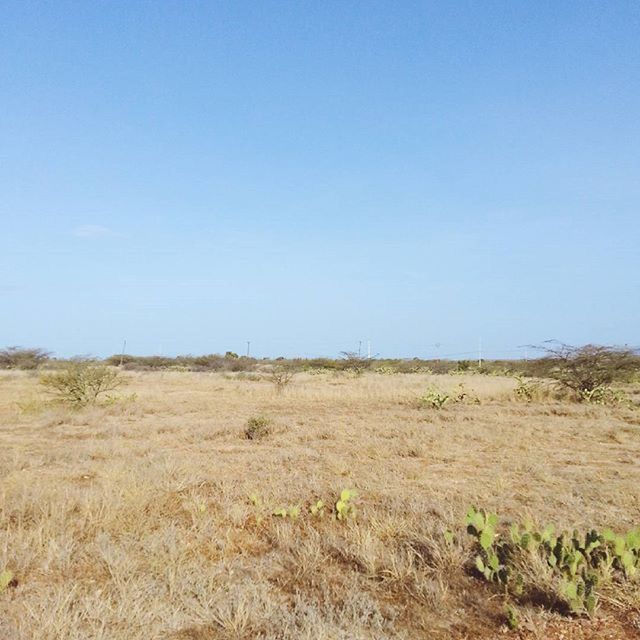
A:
(435, 399)
(291, 512)
(317, 509)
(604, 395)
(344, 508)
(490, 559)
(385, 370)
(623, 551)
(578, 562)
(512, 617)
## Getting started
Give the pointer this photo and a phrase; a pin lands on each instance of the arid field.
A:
(153, 517)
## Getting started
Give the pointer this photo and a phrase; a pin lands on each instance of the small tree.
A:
(281, 375)
(355, 362)
(19, 358)
(585, 369)
(81, 382)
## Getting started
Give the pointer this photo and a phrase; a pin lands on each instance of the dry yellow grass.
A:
(132, 521)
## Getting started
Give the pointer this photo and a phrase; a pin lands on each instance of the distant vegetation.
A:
(25, 359)
(585, 371)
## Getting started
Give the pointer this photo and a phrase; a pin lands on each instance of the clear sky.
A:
(192, 175)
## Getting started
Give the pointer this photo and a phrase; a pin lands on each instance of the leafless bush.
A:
(355, 362)
(281, 376)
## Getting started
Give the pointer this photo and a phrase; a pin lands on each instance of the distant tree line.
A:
(25, 359)
(578, 368)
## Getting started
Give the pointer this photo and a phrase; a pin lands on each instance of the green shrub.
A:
(81, 383)
(257, 427)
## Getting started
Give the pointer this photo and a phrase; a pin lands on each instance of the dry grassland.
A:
(132, 521)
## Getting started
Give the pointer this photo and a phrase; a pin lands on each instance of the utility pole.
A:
(359, 348)
(248, 348)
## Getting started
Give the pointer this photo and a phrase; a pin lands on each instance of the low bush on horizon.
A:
(581, 369)
(23, 359)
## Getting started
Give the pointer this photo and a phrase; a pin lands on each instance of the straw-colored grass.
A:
(133, 520)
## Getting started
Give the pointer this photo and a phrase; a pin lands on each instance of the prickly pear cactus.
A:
(578, 562)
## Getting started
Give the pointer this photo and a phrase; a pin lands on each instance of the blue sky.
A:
(192, 175)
